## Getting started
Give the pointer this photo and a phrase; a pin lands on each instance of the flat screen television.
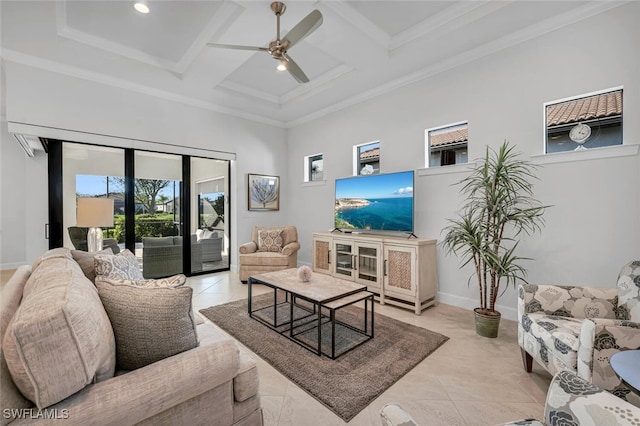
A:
(381, 202)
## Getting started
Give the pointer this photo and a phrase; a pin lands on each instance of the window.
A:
(366, 159)
(313, 168)
(587, 121)
(447, 145)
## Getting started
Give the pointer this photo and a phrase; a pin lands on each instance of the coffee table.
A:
(309, 307)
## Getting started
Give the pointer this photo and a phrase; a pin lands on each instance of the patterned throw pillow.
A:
(172, 282)
(87, 261)
(122, 265)
(149, 323)
(270, 240)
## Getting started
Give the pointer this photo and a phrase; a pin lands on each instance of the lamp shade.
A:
(94, 212)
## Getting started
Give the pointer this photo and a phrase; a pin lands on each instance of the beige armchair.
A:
(271, 249)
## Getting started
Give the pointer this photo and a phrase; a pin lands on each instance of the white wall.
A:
(593, 228)
(43, 98)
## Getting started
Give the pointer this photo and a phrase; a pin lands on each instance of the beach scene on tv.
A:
(381, 202)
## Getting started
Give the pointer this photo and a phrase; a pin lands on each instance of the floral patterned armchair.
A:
(579, 328)
(572, 400)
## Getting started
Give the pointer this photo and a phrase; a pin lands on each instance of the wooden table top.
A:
(320, 288)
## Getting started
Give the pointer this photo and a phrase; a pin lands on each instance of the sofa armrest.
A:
(248, 248)
(142, 393)
(291, 248)
(555, 299)
(599, 339)
(573, 400)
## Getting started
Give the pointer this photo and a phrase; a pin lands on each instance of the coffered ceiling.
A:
(362, 49)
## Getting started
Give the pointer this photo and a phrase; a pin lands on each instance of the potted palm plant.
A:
(500, 207)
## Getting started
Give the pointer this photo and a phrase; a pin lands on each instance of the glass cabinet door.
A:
(344, 259)
(367, 269)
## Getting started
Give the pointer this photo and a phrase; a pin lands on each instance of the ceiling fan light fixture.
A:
(141, 6)
(282, 66)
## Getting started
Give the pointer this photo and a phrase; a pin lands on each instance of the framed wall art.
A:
(264, 192)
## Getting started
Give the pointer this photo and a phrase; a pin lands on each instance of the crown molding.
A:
(307, 90)
(359, 21)
(456, 16)
(513, 39)
(249, 91)
(217, 25)
(71, 71)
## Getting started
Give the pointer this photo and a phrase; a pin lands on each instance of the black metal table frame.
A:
(290, 298)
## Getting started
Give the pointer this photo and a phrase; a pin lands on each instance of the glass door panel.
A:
(158, 228)
(92, 171)
(209, 214)
(344, 259)
(368, 264)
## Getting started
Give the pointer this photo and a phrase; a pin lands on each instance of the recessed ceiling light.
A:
(141, 6)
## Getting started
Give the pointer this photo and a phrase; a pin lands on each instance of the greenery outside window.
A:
(582, 122)
(366, 158)
(313, 168)
(447, 145)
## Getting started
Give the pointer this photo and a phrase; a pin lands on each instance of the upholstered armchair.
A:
(579, 328)
(270, 249)
(162, 257)
(572, 400)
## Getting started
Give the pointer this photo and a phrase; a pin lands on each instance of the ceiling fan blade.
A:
(296, 71)
(237, 47)
(303, 28)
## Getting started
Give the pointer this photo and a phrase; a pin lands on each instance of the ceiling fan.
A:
(279, 47)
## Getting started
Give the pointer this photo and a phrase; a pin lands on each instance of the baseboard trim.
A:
(470, 304)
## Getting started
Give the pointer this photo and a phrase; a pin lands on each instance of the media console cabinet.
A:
(399, 271)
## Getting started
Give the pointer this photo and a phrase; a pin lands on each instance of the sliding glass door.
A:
(158, 178)
(171, 227)
(96, 172)
(209, 214)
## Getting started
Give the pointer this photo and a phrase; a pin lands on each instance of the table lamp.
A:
(93, 213)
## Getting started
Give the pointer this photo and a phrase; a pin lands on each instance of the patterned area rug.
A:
(348, 384)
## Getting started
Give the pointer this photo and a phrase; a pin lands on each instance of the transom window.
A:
(586, 121)
(447, 145)
(366, 158)
(313, 168)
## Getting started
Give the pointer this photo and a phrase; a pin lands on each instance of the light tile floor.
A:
(470, 380)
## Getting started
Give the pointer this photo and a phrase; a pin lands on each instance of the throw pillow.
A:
(122, 265)
(174, 281)
(87, 261)
(270, 240)
(60, 338)
(206, 234)
(149, 323)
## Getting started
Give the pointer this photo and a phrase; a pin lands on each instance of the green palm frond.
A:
(500, 207)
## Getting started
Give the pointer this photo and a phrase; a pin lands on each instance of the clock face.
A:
(580, 133)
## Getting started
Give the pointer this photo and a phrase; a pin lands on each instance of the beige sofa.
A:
(214, 383)
(253, 260)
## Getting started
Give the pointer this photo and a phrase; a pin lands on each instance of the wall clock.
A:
(579, 134)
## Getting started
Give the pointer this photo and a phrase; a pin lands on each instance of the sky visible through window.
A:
(91, 185)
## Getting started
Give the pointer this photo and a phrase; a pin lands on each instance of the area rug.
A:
(348, 384)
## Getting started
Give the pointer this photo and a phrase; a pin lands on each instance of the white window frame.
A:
(427, 141)
(307, 166)
(356, 155)
(573, 98)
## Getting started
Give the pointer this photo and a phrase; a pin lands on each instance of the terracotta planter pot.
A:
(487, 325)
